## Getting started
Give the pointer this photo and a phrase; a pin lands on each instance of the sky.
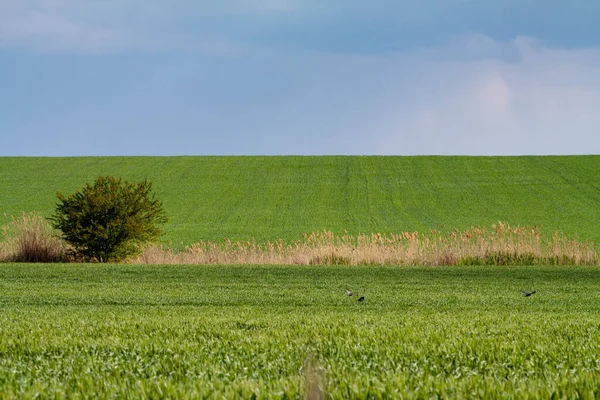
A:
(305, 77)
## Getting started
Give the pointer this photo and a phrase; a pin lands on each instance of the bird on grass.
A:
(527, 294)
(350, 293)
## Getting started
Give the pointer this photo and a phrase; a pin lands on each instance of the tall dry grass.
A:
(314, 379)
(29, 238)
(502, 244)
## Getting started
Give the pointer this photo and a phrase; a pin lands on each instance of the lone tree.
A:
(109, 220)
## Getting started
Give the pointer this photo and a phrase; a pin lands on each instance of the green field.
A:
(188, 331)
(271, 198)
(123, 331)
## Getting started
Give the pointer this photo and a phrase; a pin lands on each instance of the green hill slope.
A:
(270, 198)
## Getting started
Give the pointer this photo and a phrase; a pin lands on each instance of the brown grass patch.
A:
(502, 244)
(30, 238)
(314, 379)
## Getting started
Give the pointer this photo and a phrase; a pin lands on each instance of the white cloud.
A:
(65, 25)
(473, 95)
(545, 101)
(105, 26)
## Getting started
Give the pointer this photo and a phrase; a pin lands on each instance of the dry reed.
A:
(314, 379)
(502, 244)
(29, 238)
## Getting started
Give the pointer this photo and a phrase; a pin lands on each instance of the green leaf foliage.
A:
(108, 220)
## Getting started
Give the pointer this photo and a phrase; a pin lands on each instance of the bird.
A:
(348, 292)
(527, 294)
(361, 298)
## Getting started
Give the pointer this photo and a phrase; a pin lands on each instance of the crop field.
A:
(273, 198)
(123, 331)
(290, 331)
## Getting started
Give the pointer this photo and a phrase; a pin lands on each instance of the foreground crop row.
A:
(115, 331)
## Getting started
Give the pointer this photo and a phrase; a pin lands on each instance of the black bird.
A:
(527, 294)
(361, 298)
(348, 292)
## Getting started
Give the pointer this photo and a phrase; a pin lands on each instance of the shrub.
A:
(30, 239)
(109, 220)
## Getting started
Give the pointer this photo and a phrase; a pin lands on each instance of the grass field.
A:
(272, 198)
(124, 331)
(189, 331)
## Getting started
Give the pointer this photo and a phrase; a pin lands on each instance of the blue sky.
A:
(133, 77)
